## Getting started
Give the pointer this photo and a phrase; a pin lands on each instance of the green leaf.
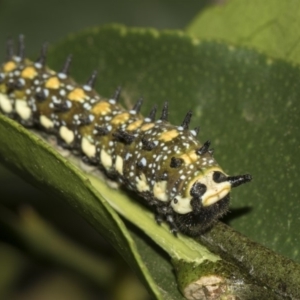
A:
(245, 103)
(270, 26)
(43, 241)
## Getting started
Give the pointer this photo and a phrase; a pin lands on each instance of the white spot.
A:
(55, 100)
(66, 134)
(143, 162)
(128, 155)
(21, 82)
(87, 106)
(160, 189)
(105, 159)
(193, 132)
(46, 122)
(5, 104)
(141, 183)
(62, 92)
(22, 109)
(91, 118)
(88, 148)
(69, 104)
(158, 158)
(61, 75)
(182, 205)
(119, 164)
(38, 65)
(87, 88)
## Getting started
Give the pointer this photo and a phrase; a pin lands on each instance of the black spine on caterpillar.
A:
(166, 164)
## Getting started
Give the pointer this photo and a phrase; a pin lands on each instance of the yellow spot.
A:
(5, 104)
(147, 126)
(9, 66)
(46, 122)
(77, 95)
(52, 83)
(159, 190)
(22, 109)
(141, 183)
(29, 72)
(134, 125)
(119, 164)
(66, 134)
(105, 159)
(182, 204)
(88, 148)
(168, 135)
(189, 157)
(101, 108)
(120, 119)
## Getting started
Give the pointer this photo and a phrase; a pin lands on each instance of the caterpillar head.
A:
(207, 199)
(212, 187)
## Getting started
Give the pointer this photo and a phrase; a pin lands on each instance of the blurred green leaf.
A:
(43, 241)
(270, 26)
(12, 265)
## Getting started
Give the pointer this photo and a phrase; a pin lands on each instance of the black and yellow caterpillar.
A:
(165, 164)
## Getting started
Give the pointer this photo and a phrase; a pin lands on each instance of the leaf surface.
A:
(270, 26)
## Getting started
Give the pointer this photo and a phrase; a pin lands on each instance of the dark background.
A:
(51, 20)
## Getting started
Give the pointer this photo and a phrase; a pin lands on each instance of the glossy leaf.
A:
(270, 26)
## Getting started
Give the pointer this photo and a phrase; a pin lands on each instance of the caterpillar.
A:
(166, 165)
